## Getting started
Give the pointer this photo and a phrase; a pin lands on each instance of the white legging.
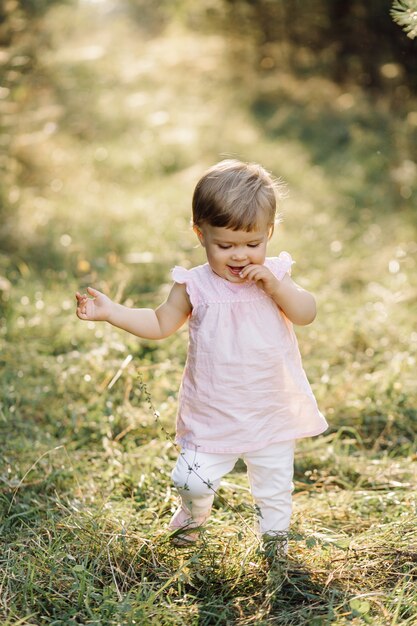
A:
(270, 473)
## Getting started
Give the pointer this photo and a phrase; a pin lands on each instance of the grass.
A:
(110, 131)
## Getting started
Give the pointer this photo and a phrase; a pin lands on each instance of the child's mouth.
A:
(235, 270)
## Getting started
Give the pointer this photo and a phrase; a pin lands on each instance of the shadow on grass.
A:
(69, 559)
(281, 594)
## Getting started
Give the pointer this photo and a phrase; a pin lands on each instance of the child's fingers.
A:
(244, 273)
(81, 314)
(254, 273)
(93, 292)
(82, 305)
(84, 297)
(254, 277)
(81, 297)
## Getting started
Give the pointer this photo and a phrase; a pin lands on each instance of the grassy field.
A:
(106, 136)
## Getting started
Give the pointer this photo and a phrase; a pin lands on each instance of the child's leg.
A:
(270, 472)
(196, 476)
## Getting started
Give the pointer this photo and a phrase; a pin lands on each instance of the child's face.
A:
(229, 251)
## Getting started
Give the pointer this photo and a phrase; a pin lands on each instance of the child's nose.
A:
(238, 254)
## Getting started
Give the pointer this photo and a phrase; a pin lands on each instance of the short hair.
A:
(235, 195)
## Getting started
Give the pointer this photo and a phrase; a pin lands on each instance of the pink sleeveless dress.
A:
(243, 385)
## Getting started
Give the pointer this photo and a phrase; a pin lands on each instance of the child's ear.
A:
(199, 234)
(271, 231)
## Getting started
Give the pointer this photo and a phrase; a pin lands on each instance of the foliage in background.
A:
(348, 41)
(404, 12)
(21, 37)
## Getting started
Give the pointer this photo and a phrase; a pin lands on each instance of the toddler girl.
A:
(244, 393)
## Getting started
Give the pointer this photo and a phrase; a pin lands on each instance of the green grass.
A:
(111, 130)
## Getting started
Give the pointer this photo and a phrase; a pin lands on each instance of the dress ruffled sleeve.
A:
(281, 265)
(180, 274)
(185, 277)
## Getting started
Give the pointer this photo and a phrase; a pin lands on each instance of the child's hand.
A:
(95, 309)
(262, 276)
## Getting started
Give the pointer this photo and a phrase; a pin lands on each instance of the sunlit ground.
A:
(108, 135)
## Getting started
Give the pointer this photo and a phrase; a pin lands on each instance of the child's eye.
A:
(223, 247)
(253, 245)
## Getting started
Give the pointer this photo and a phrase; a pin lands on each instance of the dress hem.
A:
(248, 448)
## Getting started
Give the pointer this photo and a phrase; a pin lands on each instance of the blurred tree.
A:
(350, 40)
(152, 17)
(20, 41)
(17, 16)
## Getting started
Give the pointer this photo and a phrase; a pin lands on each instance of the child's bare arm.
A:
(145, 323)
(298, 304)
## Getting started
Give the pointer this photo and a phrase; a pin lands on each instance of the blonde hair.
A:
(235, 195)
